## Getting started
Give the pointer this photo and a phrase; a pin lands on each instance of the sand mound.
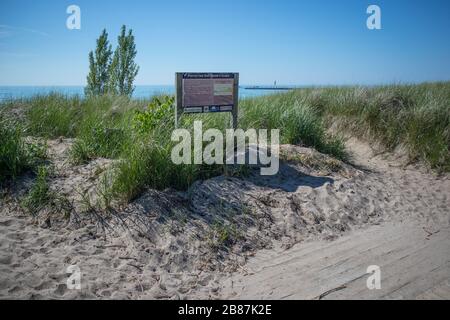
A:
(173, 245)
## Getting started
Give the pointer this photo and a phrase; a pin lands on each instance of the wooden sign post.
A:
(207, 93)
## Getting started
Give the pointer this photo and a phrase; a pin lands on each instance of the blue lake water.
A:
(14, 92)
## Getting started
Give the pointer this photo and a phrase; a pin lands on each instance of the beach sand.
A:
(309, 232)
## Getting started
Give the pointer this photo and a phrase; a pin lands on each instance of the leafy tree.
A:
(123, 69)
(99, 67)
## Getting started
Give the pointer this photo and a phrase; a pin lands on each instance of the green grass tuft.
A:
(17, 155)
(40, 196)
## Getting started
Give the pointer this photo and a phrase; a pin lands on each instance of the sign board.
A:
(207, 92)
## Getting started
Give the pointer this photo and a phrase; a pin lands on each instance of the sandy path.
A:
(411, 265)
(412, 248)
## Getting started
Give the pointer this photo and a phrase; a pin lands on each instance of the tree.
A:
(99, 67)
(123, 69)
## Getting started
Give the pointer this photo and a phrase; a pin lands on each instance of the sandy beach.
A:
(296, 235)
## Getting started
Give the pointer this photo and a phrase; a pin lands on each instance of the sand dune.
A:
(310, 229)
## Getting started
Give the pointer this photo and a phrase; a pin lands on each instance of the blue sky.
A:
(314, 42)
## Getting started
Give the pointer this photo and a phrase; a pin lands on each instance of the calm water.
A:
(12, 92)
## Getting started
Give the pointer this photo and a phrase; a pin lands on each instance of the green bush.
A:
(160, 110)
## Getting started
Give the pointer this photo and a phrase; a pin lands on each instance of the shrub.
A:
(160, 110)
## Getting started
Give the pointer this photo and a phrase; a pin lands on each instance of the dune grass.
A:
(53, 115)
(17, 155)
(40, 197)
(137, 132)
(416, 117)
(299, 123)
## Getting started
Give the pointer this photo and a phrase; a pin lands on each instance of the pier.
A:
(268, 88)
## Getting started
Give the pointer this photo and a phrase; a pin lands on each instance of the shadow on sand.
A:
(289, 179)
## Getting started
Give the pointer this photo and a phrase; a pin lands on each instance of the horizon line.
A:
(250, 84)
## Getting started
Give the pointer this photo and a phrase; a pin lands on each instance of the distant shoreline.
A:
(141, 91)
(268, 88)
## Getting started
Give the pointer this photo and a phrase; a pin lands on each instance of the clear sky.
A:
(298, 42)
